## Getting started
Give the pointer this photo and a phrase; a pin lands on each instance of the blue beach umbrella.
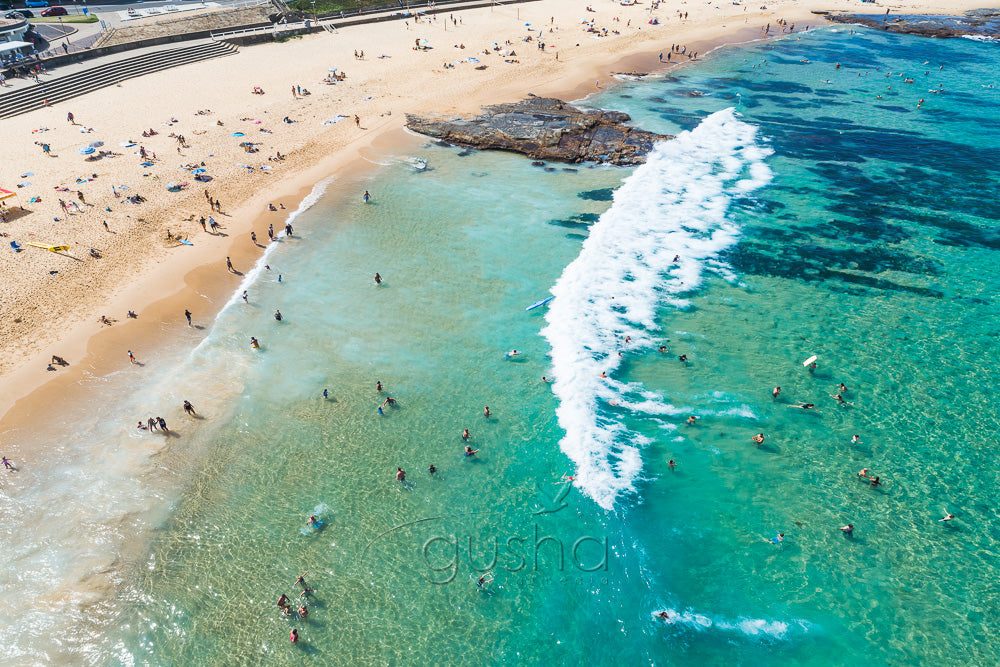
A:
(237, 134)
(198, 171)
(85, 150)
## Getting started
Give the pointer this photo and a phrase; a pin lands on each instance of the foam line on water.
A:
(674, 205)
(253, 274)
(751, 628)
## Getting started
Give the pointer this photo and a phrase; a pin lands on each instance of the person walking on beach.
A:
(253, 237)
(245, 297)
(151, 423)
(187, 314)
(7, 464)
(131, 357)
(72, 119)
(163, 424)
(270, 232)
(229, 265)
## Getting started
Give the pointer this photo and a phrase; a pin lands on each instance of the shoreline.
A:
(97, 351)
(160, 323)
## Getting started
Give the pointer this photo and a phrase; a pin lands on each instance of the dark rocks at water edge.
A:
(975, 22)
(545, 128)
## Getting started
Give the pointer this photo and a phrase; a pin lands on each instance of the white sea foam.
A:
(754, 628)
(674, 205)
(253, 274)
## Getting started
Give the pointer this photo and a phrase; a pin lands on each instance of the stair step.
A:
(108, 74)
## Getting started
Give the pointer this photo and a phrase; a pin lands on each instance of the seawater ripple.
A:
(675, 205)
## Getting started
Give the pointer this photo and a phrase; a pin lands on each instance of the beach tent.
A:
(6, 194)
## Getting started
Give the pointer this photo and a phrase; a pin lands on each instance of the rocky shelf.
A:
(545, 128)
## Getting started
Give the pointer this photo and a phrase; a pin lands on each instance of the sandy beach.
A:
(248, 122)
(53, 303)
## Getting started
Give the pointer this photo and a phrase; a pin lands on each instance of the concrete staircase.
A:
(108, 74)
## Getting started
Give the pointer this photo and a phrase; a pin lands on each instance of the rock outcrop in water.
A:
(545, 129)
(977, 22)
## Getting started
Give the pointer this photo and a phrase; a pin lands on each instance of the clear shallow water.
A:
(825, 221)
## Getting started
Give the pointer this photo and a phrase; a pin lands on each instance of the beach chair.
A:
(15, 246)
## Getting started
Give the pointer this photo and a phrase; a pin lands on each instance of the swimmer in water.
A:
(254, 344)
(776, 392)
(603, 375)
(848, 530)
(876, 481)
(312, 521)
(469, 451)
(303, 611)
(378, 278)
(326, 394)
(691, 420)
(683, 358)
(777, 539)
(400, 475)
(293, 636)
(378, 386)
(545, 379)
(759, 438)
(863, 473)
(662, 349)
(277, 315)
(283, 600)
(665, 615)
(855, 439)
(366, 196)
(672, 464)
(486, 412)
(804, 406)
(513, 353)
(842, 388)
(947, 516)
(839, 398)
(465, 434)
(432, 469)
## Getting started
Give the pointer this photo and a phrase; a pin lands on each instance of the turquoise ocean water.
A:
(807, 216)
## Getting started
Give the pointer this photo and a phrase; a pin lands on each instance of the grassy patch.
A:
(75, 18)
(324, 6)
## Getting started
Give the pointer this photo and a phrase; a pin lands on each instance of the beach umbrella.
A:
(198, 171)
(96, 144)
(27, 173)
(85, 150)
(332, 69)
(238, 134)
